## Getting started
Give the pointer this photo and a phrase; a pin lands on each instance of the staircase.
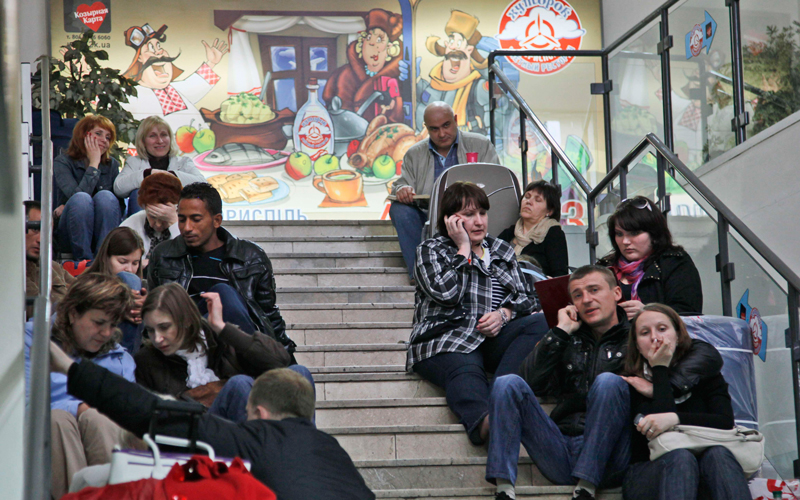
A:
(344, 294)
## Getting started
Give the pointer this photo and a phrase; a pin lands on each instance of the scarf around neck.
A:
(632, 272)
(197, 371)
(536, 234)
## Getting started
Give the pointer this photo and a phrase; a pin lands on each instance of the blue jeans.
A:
(463, 376)
(85, 222)
(131, 332)
(231, 402)
(234, 307)
(408, 221)
(133, 202)
(599, 456)
(680, 475)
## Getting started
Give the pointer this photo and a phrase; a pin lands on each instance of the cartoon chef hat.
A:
(137, 37)
(467, 26)
(391, 23)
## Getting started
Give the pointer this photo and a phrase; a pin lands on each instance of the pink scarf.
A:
(632, 272)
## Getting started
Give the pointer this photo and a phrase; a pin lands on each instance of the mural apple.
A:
(298, 165)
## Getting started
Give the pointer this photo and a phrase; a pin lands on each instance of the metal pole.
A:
(794, 336)
(492, 101)
(666, 83)
(554, 167)
(724, 266)
(607, 115)
(523, 146)
(740, 118)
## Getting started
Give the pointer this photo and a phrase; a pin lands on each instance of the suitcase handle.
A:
(173, 441)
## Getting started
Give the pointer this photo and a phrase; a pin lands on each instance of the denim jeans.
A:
(463, 376)
(680, 475)
(85, 222)
(131, 332)
(234, 307)
(408, 221)
(599, 456)
(133, 202)
(231, 402)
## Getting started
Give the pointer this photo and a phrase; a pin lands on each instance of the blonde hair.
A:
(392, 49)
(145, 127)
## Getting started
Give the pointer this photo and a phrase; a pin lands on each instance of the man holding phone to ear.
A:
(586, 439)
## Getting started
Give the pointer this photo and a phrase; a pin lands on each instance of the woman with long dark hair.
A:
(648, 265)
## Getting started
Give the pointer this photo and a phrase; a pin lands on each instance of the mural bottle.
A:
(313, 127)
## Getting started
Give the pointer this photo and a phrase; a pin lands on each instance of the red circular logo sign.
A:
(540, 25)
(696, 40)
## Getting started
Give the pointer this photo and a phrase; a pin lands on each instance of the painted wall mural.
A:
(308, 112)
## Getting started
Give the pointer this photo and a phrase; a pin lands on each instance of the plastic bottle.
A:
(313, 127)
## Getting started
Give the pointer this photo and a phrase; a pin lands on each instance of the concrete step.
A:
(336, 259)
(348, 333)
(352, 276)
(344, 294)
(364, 386)
(308, 244)
(348, 313)
(524, 492)
(254, 229)
(353, 355)
(357, 369)
(370, 412)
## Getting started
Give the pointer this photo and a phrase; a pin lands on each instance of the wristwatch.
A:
(503, 315)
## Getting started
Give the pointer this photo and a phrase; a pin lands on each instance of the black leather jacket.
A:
(244, 263)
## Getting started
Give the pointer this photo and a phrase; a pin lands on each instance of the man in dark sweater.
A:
(586, 439)
(287, 453)
(207, 258)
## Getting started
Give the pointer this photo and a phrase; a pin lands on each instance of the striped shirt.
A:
(499, 293)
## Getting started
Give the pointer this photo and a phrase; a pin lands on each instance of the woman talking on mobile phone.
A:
(472, 314)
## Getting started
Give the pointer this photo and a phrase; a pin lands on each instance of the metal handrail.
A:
(37, 425)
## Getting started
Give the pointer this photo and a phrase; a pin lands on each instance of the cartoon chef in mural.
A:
(153, 70)
(457, 79)
(372, 65)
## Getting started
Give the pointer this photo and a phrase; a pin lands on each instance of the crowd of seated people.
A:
(205, 326)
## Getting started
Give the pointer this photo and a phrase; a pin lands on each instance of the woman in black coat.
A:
(538, 232)
(648, 266)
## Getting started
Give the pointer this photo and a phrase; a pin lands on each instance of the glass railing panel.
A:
(770, 54)
(636, 101)
(702, 95)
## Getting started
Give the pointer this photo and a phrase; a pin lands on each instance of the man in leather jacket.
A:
(207, 258)
(587, 436)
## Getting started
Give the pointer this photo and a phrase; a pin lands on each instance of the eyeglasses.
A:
(640, 203)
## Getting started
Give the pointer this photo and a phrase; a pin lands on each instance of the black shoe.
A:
(581, 494)
(502, 496)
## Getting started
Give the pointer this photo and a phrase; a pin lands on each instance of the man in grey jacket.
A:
(423, 163)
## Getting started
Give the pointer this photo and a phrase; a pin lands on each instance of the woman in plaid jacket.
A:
(472, 314)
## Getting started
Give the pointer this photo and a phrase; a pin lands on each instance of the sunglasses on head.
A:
(640, 203)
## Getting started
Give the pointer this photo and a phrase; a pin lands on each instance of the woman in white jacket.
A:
(157, 152)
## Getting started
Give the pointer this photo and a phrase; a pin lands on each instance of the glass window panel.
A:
(283, 58)
(285, 95)
(321, 83)
(318, 58)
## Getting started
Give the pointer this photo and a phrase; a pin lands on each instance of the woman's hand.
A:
(660, 352)
(652, 426)
(59, 361)
(214, 304)
(491, 323)
(163, 211)
(631, 307)
(642, 386)
(135, 314)
(93, 150)
(457, 232)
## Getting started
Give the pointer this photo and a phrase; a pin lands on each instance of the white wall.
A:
(34, 30)
(621, 15)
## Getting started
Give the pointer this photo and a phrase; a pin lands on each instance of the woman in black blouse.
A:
(663, 347)
(538, 231)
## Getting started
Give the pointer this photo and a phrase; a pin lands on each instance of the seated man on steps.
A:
(207, 258)
(586, 439)
(423, 163)
(287, 453)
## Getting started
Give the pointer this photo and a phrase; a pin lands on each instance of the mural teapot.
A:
(348, 124)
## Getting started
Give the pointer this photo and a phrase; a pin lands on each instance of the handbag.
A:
(747, 445)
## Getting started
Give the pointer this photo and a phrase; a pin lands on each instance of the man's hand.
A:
(642, 386)
(214, 304)
(405, 195)
(58, 211)
(82, 408)
(631, 307)
(568, 319)
(215, 52)
(653, 425)
(59, 361)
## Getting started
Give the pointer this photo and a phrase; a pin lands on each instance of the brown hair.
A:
(284, 393)
(584, 271)
(77, 146)
(634, 362)
(160, 189)
(173, 300)
(551, 194)
(120, 241)
(91, 291)
(458, 196)
(647, 219)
